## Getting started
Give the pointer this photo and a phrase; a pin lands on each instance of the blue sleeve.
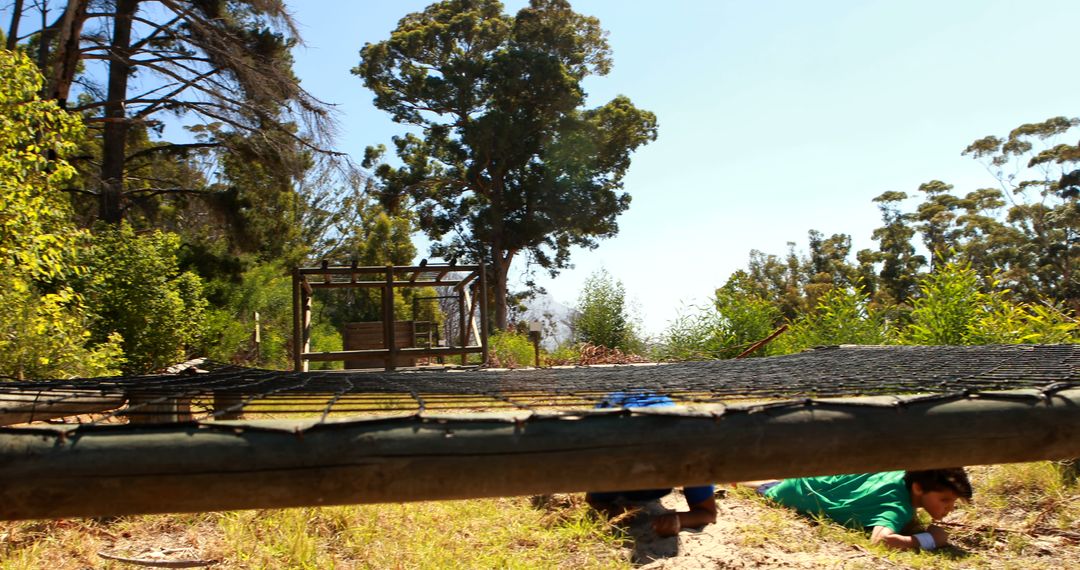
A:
(695, 495)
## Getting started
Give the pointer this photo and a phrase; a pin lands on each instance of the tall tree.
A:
(504, 159)
(223, 62)
(1039, 173)
(900, 264)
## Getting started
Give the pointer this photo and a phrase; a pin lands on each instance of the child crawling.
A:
(884, 503)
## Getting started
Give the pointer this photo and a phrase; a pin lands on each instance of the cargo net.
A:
(207, 391)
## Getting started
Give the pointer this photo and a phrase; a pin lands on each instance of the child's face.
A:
(939, 503)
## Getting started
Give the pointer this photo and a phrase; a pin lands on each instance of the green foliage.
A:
(374, 239)
(511, 350)
(954, 309)
(46, 336)
(42, 321)
(843, 315)
(899, 263)
(265, 289)
(508, 162)
(36, 236)
(135, 288)
(736, 319)
(949, 309)
(564, 354)
(601, 317)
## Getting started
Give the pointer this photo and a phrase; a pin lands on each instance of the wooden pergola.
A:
(472, 338)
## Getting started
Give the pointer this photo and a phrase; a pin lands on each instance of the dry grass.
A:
(489, 533)
(1023, 516)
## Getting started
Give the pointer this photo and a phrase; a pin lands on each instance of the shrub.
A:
(510, 350)
(843, 315)
(134, 287)
(601, 316)
(953, 309)
(735, 320)
(43, 323)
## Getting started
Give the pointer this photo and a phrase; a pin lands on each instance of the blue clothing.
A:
(694, 495)
(635, 400)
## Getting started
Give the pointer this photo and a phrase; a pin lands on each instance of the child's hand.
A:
(941, 538)
(667, 524)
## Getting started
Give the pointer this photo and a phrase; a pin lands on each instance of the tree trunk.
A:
(13, 28)
(67, 56)
(114, 144)
(500, 267)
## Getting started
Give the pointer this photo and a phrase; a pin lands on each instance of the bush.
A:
(601, 316)
(45, 336)
(265, 289)
(43, 322)
(134, 287)
(843, 315)
(735, 320)
(953, 309)
(510, 350)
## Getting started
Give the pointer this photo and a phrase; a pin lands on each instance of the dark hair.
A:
(951, 479)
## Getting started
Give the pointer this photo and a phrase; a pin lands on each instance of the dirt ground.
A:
(737, 540)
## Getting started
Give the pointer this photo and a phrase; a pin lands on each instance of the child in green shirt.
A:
(885, 503)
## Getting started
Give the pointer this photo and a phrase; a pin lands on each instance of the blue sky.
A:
(776, 117)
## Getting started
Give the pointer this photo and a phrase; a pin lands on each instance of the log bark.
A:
(42, 406)
(121, 470)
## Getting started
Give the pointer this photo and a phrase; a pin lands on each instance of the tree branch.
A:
(169, 148)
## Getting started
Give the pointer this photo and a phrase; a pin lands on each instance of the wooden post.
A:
(483, 294)
(298, 343)
(156, 409)
(257, 338)
(463, 330)
(104, 471)
(306, 297)
(389, 324)
(228, 404)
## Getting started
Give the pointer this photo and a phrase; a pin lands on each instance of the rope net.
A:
(216, 391)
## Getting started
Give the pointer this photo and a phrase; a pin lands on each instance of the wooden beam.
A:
(47, 405)
(122, 470)
(331, 356)
(380, 270)
(380, 284)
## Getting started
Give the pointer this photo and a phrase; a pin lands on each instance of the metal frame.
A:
(307, 279)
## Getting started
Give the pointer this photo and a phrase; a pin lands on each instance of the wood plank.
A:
(39, 406)
(119, 470)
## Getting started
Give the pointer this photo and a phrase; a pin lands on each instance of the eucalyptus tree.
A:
(1037, 169)
(502, 158)
(126, 65)
(898, 278)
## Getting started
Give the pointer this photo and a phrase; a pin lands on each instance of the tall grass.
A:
(488, 533)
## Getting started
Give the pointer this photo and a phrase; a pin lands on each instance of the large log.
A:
(46, 405)
(117, 470)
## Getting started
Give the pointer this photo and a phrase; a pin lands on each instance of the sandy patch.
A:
(737, 540)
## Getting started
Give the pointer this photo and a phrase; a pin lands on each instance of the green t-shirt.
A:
(866, 500)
